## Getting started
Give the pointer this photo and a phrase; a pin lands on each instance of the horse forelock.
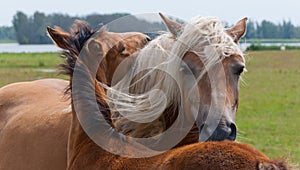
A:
(206, 32)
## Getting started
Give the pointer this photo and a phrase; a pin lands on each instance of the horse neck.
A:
(83, 153)
(79, 141)
(80, 147)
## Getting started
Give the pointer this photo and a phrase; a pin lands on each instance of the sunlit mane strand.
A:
(207, 37)
(143, 98)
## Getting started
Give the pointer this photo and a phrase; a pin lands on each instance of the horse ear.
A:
(174, 27)
(239, 30)
(61, 38)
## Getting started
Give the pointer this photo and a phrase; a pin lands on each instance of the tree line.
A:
(268, 30)
(7, 34)
(32, 29)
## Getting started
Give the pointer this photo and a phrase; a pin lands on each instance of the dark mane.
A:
(80, 33)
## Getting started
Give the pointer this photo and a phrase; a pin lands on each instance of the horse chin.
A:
(214, 137)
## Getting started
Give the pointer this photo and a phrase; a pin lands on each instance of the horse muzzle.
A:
(223, 131)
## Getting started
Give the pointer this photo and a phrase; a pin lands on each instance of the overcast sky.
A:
(229, 10)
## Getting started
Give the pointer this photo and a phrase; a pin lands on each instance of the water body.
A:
(39, 48)
(36, 48)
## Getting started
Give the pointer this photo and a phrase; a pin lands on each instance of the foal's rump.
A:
(34, 123)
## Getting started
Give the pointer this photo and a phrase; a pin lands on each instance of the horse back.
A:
(34, 123)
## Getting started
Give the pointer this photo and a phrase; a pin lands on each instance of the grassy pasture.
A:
(16, 67)
(269, 111)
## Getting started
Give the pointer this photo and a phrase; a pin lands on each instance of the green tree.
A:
(22, 27)
(288, 29)
(251, 30)
(61, 20)
(296, 32)
(40, 22)
(268, 30)
(7, 33)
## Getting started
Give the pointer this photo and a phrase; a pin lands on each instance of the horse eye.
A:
(123, 49)
(148, 39)
(226, 54)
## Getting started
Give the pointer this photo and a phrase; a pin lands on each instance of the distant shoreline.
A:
(8, 42)
(256, 41)
(28, 48)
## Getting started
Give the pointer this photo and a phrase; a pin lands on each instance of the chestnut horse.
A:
(34, 123)
(36, 115)
(84, 153)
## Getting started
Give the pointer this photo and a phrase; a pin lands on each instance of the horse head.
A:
(112, 48)
(210, 55)
(109, 48)
(222, 97)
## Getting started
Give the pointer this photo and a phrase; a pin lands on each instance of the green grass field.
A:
(16, 67)
(269, 112)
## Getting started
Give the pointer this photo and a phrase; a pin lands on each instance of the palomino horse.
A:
(193, 70)
(84, 153)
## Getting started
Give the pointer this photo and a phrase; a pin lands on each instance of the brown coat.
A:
(34, 123)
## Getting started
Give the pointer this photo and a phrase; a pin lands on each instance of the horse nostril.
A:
(232, 132)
